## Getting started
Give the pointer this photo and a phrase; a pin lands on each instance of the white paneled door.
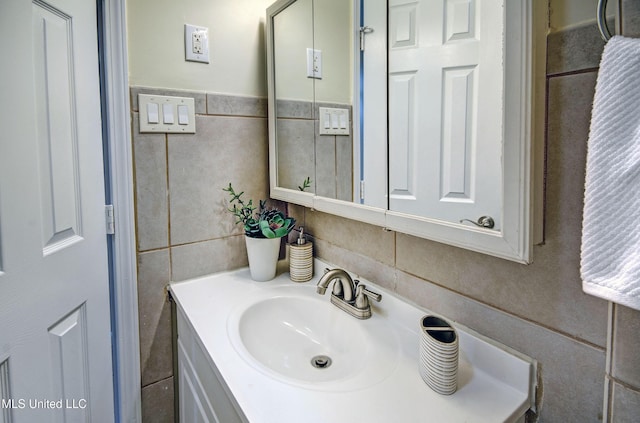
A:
(55, 342)
(446, 90)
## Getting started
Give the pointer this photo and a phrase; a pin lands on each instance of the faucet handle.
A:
(363, 295)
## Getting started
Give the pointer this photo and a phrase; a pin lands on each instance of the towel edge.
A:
(612, 295)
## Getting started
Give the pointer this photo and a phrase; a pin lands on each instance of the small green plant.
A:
(305, 184)
(261, 223)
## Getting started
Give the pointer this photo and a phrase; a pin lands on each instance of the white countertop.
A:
(494, 382)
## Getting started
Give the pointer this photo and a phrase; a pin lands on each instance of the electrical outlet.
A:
(314, 63)
(196, 43)
(196, 40)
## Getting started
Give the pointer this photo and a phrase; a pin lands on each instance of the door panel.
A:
(69, 348)
(55, 341)
(445, 142)
(54, 119)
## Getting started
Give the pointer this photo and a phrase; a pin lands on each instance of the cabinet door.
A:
(194, 404)
(446, 79)
(203, 394)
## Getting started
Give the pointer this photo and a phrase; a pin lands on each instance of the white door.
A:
(445, 85)
(373, 148)
(55, 346)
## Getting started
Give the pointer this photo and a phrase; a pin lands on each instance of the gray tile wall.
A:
(183, 228)
(303, 152)
(538, 309)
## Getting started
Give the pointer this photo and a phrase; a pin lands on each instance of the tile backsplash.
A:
(301, 148)
(183, 227)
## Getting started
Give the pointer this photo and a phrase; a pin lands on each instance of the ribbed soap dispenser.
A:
(301, 259)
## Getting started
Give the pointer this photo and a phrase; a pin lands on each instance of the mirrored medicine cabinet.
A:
(414, 115)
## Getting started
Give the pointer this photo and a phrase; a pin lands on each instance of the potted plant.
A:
(263, 229)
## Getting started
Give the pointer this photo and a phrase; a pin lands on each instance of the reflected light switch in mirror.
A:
(343, 120)
(334, 121)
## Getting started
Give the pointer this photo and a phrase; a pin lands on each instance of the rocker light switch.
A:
(183, 114)
(166, 114)
(343, 120)
(152, 113)
(334, 121)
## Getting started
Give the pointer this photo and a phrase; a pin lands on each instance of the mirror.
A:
(294, 93)
(443, 105)
(312, 52)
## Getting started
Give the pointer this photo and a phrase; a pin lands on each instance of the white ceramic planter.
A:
(263, 257)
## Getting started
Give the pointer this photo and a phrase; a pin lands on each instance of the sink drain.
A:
(321, 361)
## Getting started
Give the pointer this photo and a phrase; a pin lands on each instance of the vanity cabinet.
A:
(203, 395)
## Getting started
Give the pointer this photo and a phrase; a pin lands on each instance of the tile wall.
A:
(301, 148)
(183, 229)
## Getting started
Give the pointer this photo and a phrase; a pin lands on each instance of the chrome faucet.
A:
(343, 287)
(348, 294)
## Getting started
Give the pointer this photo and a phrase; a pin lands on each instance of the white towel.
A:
(610, 259)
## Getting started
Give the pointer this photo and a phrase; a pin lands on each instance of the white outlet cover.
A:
(314, 63)
(191, 32)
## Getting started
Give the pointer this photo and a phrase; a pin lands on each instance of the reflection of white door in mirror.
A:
(372, 111)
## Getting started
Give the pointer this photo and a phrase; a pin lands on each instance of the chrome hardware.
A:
(343, 293)
(110, 220)
(343, 288)
(602, 20)
(321, 361)
(364, 30)
(483, 222)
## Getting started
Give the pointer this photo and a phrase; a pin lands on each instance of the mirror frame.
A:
(525, 52)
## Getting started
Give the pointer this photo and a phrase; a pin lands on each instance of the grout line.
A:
(510, 313)
(168, 247)
(573, 72)
(157, 381)
(166, 138)
(624, 384)
(606, 404)
(232, 116)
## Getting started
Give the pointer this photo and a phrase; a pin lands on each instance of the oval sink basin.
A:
(305, 340)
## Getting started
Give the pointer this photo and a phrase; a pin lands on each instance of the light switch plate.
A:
(334, 121)
(181, 123)
(196, 43)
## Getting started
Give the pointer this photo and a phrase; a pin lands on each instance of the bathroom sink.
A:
(261, 345)
(297, 336)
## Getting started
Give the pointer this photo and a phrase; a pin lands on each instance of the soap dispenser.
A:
(301, 259)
